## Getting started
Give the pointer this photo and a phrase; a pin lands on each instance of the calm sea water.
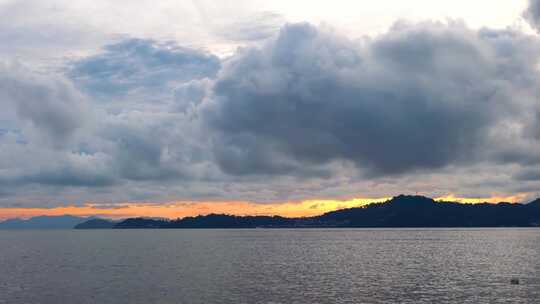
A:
(270, 266)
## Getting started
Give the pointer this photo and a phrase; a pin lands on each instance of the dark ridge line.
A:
(399, 212)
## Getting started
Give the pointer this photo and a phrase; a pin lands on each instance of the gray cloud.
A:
(72, 175)
(421, 96)
(138, 64)
(51, 105)
(309, 114)
(532, 13)
(528, 175)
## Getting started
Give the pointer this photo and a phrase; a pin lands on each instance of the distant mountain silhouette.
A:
(535, 203)
(141, 223)
(417, 211)
(96, 223)
(43, 222)
(401, 211)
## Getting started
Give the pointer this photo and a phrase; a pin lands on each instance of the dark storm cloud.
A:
(138, 64)
(421, 96)
(532, 14)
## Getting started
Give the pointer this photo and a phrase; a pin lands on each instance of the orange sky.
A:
(182, 209)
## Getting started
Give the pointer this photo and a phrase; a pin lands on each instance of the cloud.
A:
(419, 97)
(309, 114)
(50, 106)
(80, 170)
(528, 175)
(43, 33)
(135, 65)
(153, 146)
(259, 26)
(532, 13)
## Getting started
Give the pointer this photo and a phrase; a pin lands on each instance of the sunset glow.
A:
(174, 210)
(518, 198)
(182, 209)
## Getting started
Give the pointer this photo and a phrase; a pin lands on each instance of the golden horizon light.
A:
(180, 209)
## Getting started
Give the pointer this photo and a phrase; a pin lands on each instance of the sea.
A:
(270, 266)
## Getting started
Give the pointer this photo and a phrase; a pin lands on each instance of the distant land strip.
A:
(401, 211)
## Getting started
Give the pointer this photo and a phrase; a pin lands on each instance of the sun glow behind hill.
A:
(518, 198)
(183, 209)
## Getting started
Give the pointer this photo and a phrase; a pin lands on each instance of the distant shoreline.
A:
(399, 212)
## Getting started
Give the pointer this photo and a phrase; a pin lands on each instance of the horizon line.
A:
(182, 209)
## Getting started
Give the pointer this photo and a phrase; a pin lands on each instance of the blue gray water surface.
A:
(270, 266)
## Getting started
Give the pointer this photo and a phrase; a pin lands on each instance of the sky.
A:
(174, 108)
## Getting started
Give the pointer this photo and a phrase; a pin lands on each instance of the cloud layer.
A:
(136, 64)
(311, 113)
(421, 96)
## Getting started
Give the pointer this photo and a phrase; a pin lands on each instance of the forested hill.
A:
(401, 211)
